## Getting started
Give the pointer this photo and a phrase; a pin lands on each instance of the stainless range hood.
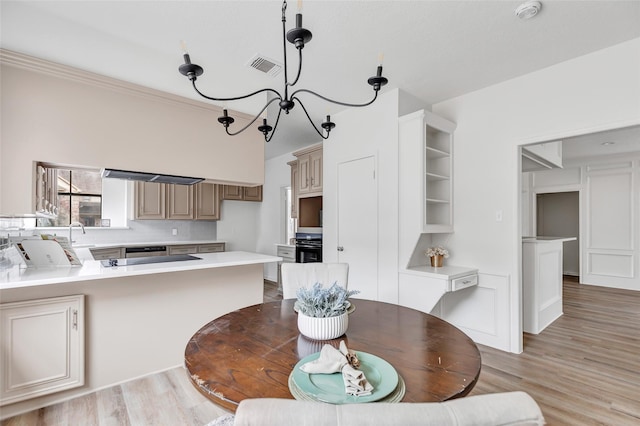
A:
(149, 177)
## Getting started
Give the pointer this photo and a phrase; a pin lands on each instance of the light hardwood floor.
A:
(584, 369)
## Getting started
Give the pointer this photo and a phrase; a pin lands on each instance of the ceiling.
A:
(434, 50)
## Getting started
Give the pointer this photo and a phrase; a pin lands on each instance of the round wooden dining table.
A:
(250, 353)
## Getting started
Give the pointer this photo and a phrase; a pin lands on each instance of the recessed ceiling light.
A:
(607, 143)
(528, 9)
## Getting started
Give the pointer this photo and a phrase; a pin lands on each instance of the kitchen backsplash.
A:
(137, 231)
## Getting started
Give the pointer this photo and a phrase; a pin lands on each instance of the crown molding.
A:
(31, 63)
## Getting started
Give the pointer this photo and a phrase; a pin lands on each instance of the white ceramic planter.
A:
(323, 328)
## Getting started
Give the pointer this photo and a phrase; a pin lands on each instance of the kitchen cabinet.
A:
(182, 249)
(294, 188)
(180, 200)
(42, 347)
(426, 144)
(309, 171)
(177, 202)
(207, 201)
(211, 248)
(242, 193)
(150, 200)
(107, 253)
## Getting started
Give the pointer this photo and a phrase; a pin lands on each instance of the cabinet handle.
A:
(75, 319)
(340, 248)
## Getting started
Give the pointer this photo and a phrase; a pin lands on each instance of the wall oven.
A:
(308, 247)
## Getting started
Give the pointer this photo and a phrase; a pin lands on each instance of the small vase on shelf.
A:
(436, 260)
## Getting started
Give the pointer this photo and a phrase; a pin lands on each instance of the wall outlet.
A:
(174, 231)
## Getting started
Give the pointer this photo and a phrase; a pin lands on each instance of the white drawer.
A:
(464, 282)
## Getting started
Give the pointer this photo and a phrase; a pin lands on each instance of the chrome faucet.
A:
(71, 228)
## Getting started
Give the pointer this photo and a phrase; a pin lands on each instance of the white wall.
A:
(594, 92)
(62, 115)
(239, 224)
(277, 174)
(359, 133)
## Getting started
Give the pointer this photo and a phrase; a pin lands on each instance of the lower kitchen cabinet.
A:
(211, 248)
(107, 253)
(196, 248)
(42, 347)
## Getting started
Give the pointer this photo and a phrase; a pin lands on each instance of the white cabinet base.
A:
(42, 347)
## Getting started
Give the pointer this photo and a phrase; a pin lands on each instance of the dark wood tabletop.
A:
(249, 353)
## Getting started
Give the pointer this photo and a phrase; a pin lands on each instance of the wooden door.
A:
(358, 224)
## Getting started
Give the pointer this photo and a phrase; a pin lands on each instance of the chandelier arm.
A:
(275, 126)
(252, 121)
(309, 117)
(375, 96)
(237, 97)
(299, 69)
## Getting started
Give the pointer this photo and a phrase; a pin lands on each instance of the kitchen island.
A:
(542, 281)
(138, 318)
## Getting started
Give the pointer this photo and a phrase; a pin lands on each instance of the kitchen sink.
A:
(149, 259)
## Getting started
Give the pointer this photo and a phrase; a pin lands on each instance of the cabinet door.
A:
(207, 201)
(294, 188)
(315, 165)
(150, 200)
(42, 347)
(232, 192)
(252, 193)
(304, 174)
(180, 202)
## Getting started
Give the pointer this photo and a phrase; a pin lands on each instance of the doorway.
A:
(558, 215)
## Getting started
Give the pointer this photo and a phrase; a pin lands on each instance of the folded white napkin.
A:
(355, 383)
(332, 360)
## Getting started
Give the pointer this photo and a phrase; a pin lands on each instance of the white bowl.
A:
(323, 328)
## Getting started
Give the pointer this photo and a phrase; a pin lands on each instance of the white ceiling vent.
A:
(265, 65)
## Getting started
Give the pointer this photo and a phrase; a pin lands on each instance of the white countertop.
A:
(18, 276)
(449, 272)
(547, 239)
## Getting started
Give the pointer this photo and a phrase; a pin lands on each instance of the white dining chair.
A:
(296, 275)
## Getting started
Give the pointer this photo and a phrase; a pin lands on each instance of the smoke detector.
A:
(528, 9)
(265, 65)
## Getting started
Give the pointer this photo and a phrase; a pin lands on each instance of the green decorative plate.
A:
(330, 387)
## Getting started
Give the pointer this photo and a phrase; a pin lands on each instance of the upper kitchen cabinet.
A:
(177, 202)
(242, 193)
(294, 187)
(150, 200)
(426, 146)
(207, 201)
(309, 171)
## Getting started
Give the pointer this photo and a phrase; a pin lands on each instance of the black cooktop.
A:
(148, 259)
